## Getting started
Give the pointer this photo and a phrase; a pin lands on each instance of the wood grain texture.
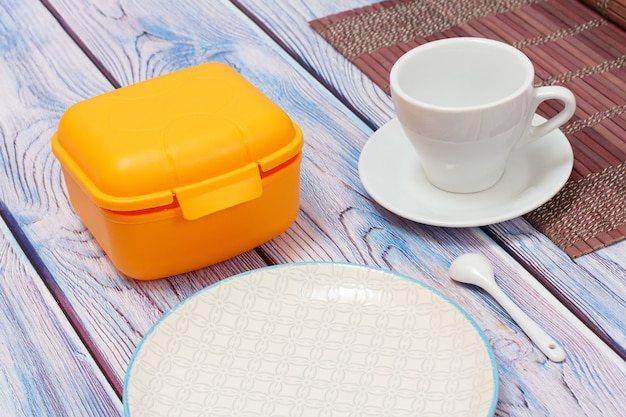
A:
(570, 279)
(287, 26)
(45, 369)
(136, 40)
(43, 72)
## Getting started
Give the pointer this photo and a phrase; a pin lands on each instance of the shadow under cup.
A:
(464, 103)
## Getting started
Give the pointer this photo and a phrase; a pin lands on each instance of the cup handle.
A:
(542, 94)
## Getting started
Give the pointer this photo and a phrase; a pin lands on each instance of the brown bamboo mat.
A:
(614, 10)
(570, 44)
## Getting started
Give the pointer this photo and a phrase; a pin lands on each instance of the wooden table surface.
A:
(70, 322)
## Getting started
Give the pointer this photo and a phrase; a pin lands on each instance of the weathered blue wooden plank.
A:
(45, 368)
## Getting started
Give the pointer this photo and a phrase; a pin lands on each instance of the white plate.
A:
(391, 173)
(313, 340)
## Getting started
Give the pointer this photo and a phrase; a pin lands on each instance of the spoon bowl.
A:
(472, 268)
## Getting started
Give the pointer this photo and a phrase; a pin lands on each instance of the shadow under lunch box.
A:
(181, 171)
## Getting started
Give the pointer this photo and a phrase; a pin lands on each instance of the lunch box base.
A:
(159, 242)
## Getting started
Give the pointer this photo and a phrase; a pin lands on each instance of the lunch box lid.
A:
(203, 136)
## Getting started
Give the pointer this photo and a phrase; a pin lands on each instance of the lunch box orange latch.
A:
(181, 171)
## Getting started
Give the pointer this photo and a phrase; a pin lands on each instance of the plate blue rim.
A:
(494, 365)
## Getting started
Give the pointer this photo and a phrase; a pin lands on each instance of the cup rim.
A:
(394, 74)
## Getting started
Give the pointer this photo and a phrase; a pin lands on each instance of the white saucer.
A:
(391, 173)
(314, 340)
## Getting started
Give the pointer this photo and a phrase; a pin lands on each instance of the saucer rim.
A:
(555, 138)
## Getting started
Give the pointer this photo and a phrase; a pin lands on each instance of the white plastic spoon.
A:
(475, 269)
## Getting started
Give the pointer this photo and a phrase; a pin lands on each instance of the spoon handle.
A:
(543, 340)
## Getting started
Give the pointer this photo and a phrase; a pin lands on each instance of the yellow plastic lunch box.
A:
(181, 171)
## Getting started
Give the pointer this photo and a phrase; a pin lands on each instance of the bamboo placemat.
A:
(614, 10)
(570, 44)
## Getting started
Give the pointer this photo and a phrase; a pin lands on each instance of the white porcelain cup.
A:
(466, 104)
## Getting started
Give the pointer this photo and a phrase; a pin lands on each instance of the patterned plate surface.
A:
(313, 340)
